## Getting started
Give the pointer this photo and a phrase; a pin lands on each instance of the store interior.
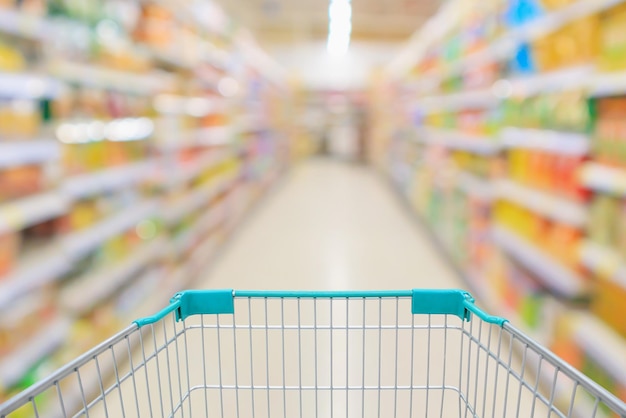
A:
(152, 146)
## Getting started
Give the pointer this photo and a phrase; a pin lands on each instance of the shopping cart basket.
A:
(225, 353)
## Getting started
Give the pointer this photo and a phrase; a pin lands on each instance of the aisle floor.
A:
(330, 225)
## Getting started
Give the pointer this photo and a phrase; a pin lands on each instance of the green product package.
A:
(531, 309)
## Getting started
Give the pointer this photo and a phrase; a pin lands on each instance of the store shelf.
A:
(545, 140)
(543, 203)
(602, 344)
(167, 58)
(88, 291)
(603, 178)
(552, 274)
(90, 184)
(43, 267)
(182, 173)
(28, 86)
(14, 22)
(101, 77)
(479, 99)
(503, 47)
(31, 210)
(555, 20)
(203, 137)
(193, 202)
(475, 186)
(15, 365)
(214, 136)
(548, 82)
(132, 301)
(607, 84)
(19, 153)
(458, 140)
(604, 261)
(80, 243)
(208, 221)
(250, 123)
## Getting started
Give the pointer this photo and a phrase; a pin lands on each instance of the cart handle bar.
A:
(424, 301)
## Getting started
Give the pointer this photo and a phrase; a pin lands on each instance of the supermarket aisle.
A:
(330, 225)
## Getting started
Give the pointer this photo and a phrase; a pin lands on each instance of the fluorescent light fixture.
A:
(340, 10)
(339, 27)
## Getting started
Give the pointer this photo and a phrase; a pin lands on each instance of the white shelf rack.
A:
(604, 261)
(19, 153)
(602, 178)
(553, 207)
(51, 335)
(31, 210)
(475, 186)
(203, 137)
(81, 242)
(175, 176)
(96, 76)
(458, 140)
(24, 85)
(89, 290)
(503, 47)
(478, 99)
(601, 343)
(555, 142)
(211, 219)
(570, 78)
(27, 26)
(191, 203)
(115, 178)
(43, 267)
(551, 273)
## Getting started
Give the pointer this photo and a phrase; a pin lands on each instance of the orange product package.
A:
(9, 250)
(608, 304)
(21, 181)
(556, 4)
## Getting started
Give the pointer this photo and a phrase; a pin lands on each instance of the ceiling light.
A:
(339, 27)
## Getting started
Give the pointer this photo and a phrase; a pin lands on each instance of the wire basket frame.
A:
(317, 354)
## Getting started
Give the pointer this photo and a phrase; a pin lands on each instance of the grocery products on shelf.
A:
(125, 163)
(506, 136)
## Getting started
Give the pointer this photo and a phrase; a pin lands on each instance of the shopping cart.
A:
(225, 353)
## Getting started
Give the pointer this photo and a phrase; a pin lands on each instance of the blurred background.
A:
(135, 135)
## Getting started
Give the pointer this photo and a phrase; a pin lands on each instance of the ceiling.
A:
(280, 22)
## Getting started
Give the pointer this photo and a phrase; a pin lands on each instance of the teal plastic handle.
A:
(424, 301)
(174, 304)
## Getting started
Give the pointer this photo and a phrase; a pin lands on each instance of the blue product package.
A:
(523, 62)
(519, 12)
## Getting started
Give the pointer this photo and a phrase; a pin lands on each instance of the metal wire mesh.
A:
(316, 357)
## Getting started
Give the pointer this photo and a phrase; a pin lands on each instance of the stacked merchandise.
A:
(512, 150)
(127, 155)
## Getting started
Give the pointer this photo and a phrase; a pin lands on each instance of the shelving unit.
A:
(559, 279)
(511, 160)
(132, 197)
(546, 204)
(31, 210)
(16, 365)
